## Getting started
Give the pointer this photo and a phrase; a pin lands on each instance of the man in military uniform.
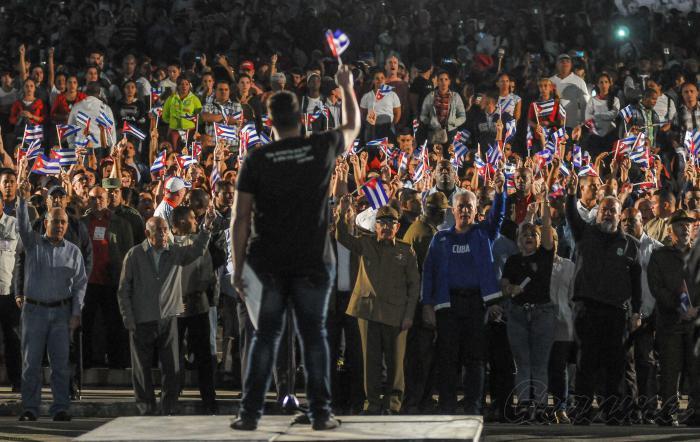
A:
(383, 301)
(676, 309)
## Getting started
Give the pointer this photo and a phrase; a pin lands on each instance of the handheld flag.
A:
(337, 41)
(46, 166)
(544, 108)
(34, 149)
(156, 92)
(33, 132)
(226, 132)
(133, 130)
(66, 157)
(494, 155)
(160, 162)
(383, 91)
(375, 193)
(66, 130)
(576, 156)
(626, 113)
(511, 127)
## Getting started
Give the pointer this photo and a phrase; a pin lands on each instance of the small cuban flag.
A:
(66, 130)
(226, 132)
(338, 42)
(576, 156)
(45, 166)
(383, 91)
(160, 162)
(34, 149)
(133, 130)
(33, 132)
(626, 113)
(374, 191)
(66, 157)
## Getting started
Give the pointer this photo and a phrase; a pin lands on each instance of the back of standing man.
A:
(290, 250)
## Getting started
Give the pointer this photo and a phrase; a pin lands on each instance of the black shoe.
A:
(27, 416)
(301, 419)
(62, 416)
(329, 423)
(244, 424)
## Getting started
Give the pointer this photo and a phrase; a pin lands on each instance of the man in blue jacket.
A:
(459, 280)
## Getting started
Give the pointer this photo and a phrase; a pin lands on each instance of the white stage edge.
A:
(280, 429)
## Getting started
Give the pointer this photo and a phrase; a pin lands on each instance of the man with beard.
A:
(677, 310)
(608, 275)
(445, 182)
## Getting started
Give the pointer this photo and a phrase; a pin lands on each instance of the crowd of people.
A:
(514, 219)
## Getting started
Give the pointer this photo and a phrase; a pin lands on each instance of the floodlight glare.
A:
(622, 32)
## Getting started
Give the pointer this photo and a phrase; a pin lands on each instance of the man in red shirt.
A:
(516, 204)
(111, 239)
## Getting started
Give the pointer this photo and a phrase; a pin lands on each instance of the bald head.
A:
(157, 232)
(98, 199)
(56, 224)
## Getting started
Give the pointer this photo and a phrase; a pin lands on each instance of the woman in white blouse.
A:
(601, 111)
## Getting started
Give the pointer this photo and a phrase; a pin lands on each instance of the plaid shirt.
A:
(213, 107)
(688, 119)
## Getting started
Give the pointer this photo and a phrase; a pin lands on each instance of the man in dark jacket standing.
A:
(669, 283)
(608, 276)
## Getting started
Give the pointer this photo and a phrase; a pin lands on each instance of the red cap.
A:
(247, 66)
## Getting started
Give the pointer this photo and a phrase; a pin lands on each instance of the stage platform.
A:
(280, 429)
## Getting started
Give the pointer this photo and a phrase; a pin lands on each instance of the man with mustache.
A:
(608, 276)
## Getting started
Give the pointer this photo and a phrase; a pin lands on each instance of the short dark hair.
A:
(7, 171)
(283, 108)
(219, 186)
(93, 89)
(180, 213)
(648, 93)
(666, 196)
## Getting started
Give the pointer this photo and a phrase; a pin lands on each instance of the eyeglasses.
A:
(386, 222)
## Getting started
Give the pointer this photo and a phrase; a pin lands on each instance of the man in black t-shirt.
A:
(283, 187)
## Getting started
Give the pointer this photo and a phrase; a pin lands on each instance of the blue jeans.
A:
(45, 328)
(531, 335)
(309, 296)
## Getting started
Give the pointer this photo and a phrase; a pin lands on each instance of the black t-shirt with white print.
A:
(289, 182)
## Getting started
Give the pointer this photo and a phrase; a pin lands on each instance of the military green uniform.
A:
(658, 229)
(385, 294)
(419, 235)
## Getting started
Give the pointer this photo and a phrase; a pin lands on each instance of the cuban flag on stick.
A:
(133, 130)
(626, 113)
(576, 156)
(494, 155)
(34, 149)
(375, 193)
(45, 166)
(66, 157)
(338, 42)
(33, 132)
(160, 162)
(226, 132)
(66, 130)
(382, 92)
(156, 92)
(692, 142)
(544, 108)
